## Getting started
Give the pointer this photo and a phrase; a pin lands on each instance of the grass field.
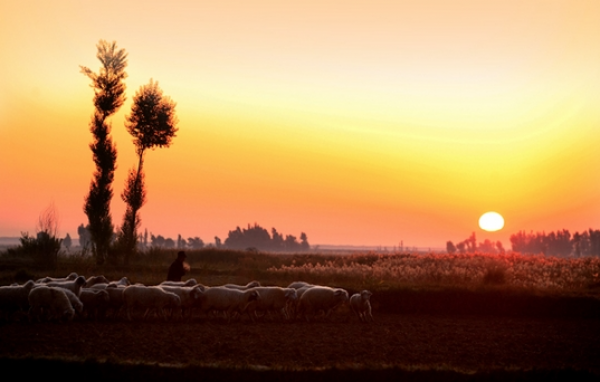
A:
(438, 317)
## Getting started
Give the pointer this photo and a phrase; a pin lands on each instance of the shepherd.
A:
(178, 268)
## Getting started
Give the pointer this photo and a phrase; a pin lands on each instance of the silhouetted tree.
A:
(134, 196)
(594, 237)
(304, 242)
(277, 242)
(152, 123)
(181, 243)
(195, 242)
(67, 242)
(145, 242)
(487, 246)
(471, 243)
(291, 243)
(450, 247)
(84, 236)
(500, 247)
(258, 238)
(157, 241)
(109, 95)
(584, 243)
(557, 243)
(254, 236)
(44, 247)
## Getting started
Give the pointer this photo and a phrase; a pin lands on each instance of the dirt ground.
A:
(466, 343)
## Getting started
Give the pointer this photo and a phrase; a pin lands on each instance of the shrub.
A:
(43, 248)
(495, 275)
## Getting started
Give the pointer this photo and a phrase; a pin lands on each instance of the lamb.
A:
(15, 298)
(361, 305)
(229, 301)
(321, 298)
(251, 284)
(95, 301)
(53, 303)
(152, 298)
(73, 285)
(188, 283)
(72, 276)
(273, 299)
(189, 296)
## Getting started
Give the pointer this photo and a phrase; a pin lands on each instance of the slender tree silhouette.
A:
(109, 95)
(152, 123)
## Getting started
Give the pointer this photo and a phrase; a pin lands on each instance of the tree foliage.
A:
(152, 123)
(109, 96)
(257, 237)
(560, 243)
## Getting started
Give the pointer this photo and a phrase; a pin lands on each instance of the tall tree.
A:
(109, 95)
(152, 123)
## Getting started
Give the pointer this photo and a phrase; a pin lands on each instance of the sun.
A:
(491, 221)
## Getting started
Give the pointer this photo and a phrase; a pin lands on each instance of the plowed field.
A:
(465, 343)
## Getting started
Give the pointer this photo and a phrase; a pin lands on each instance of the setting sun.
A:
(491, 221)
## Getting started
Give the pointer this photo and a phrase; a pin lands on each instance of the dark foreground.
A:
(410, 347)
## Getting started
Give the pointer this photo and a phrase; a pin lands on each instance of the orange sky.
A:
(357, 124)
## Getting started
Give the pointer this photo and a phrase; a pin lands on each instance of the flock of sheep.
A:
(62, 299)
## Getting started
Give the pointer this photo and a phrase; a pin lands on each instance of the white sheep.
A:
(115, 294)
(123, 282)
(73, 299)
(321, 298)
(361, 305)
(72, 285)
(50, 303)
(189, 296)
(273, 299)
(299, 284)
(95, 302)
(151, 298)
(251, 284)
(47, 279)
(293, 307)
(93, 280)
(14, 298)
(188, 283)
(227, 300)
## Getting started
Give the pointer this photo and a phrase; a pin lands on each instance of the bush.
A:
(495, 275)
(43, 248)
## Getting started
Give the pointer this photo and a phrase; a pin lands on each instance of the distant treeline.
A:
(560, 244)
(254, 237)
(259, 238)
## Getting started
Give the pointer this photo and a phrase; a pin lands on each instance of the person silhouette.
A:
(178, 268)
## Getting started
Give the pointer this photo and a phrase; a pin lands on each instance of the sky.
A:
(358, 123)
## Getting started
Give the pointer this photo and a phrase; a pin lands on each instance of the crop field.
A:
(437, 317)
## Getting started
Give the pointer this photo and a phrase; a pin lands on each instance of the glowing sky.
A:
(362, 123)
